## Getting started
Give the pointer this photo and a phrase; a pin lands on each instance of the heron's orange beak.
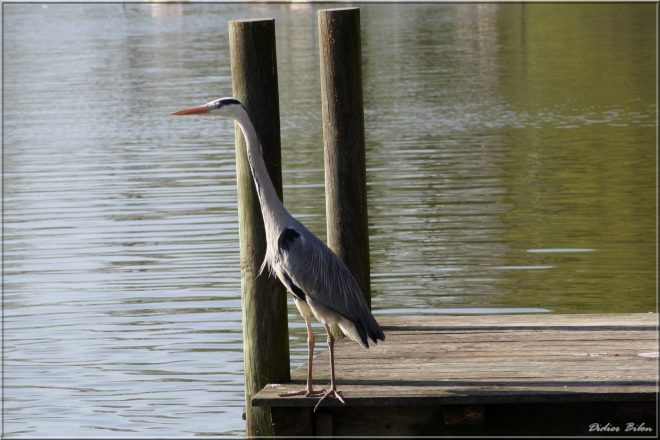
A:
(192, 110)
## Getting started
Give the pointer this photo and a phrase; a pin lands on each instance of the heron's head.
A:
(227, 107)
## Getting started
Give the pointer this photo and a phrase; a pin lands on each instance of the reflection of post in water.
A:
(163, 10)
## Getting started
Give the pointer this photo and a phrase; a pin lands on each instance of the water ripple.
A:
(496, 184)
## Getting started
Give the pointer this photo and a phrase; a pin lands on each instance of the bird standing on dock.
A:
(319, 281)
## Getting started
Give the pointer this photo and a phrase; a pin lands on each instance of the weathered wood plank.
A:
(379, 395)
(494, 359)
(543, 319)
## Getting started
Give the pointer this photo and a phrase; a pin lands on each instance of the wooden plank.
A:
(542, 319)
(379, 396)
(526, 358)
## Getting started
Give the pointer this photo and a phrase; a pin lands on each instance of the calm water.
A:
(511, 166)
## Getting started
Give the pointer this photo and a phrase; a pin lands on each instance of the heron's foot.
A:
(306, 392)
(331, 392)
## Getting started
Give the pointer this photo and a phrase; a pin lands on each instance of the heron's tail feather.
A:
(363, 329)
(372, 328)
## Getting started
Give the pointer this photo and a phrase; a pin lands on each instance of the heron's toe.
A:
(293, 393)
(315, 393)
(331, 392)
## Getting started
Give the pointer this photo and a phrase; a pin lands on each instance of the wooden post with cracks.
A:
(344, 141)
(265, 326)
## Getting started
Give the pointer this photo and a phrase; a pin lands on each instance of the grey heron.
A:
(321, 285)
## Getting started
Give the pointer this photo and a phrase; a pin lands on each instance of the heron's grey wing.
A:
(319, 272)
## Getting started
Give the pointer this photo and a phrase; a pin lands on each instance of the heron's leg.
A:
(310, 359)
(309, 389)
(333, 391)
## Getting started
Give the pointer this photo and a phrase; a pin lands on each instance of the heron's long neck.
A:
(272, 209)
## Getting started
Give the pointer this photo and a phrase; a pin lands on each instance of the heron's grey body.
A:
(319, 281)
(315, 276)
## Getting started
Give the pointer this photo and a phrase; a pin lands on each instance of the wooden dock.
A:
(485, 375)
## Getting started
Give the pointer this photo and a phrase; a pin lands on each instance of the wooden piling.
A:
(343, 139)
(265, 326)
